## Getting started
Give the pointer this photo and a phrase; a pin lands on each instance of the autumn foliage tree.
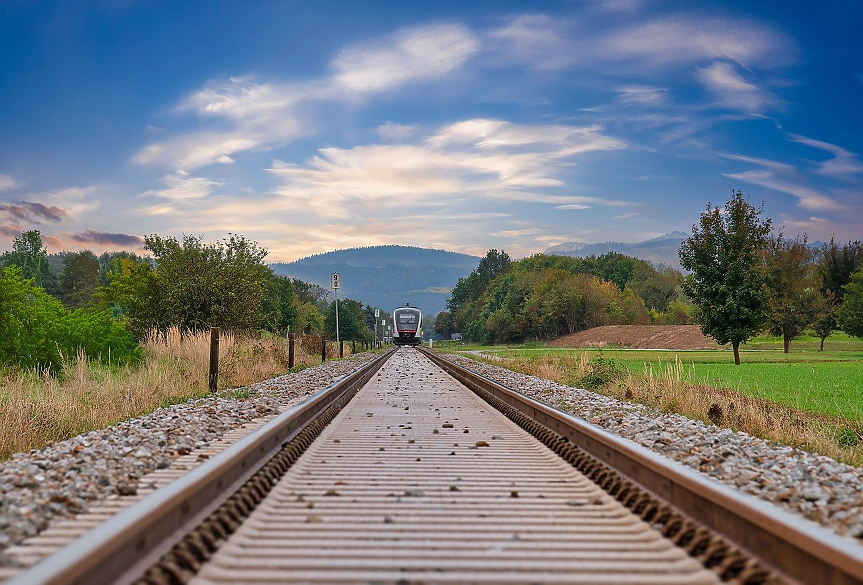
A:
(727, 280)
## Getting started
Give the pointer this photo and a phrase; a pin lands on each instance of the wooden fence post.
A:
(214, 359)
(290, 350)
(341, 348)
(353, 347)
(323, 348)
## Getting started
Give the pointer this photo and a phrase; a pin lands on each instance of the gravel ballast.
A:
(69, 477)
(811, 485)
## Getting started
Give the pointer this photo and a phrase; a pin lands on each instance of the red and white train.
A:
(407, 321)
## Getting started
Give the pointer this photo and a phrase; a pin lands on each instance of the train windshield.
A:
(407, 319)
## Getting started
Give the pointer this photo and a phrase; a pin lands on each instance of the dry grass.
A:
(664, 387)
(37, 408)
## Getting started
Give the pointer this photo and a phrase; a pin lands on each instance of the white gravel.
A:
(66, 478)
(813, 486)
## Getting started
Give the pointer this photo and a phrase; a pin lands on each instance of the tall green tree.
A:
(30, 256)
(794, 299)
(280, 305)
(352, 323)
(834, 268)
(727, 280)
(80, 279)
(850, 313)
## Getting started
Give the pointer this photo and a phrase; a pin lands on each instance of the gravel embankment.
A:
(813, 486)
(67, 478)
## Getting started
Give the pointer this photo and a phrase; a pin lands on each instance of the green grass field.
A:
(829, 382)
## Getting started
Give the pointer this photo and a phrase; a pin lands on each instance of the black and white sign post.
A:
(334, 283)
(377, 314)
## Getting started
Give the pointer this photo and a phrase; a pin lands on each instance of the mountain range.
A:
(386, 276)
(660, 250)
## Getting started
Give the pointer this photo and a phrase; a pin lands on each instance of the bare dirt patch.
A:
(680, 337)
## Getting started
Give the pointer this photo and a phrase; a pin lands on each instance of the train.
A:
(407, 321)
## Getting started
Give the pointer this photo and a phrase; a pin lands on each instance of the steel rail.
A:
(121, 549)
(796, 549)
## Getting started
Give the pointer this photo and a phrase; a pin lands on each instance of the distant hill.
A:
(658, 250)
(387, 276)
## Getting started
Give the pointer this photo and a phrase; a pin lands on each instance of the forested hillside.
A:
(387, 276)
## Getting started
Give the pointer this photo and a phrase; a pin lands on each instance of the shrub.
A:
(37, 331)
(600, 372)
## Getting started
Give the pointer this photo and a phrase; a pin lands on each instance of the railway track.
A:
(418, 479)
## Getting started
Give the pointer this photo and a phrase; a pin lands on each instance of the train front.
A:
(407, 323)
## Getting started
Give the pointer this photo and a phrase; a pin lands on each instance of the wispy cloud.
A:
(183, 188)
(7, 183)
(642, 96)
(396, 132)
(534, 40)
(485, 158)
(415, 54)
(786, 179)
(572, 206)
(730, 90)
(266, 114)
(844, 165)
(682, 39)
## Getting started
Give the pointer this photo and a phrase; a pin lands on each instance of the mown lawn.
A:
(829, 382)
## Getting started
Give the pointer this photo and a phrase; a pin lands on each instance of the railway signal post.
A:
(335, 284)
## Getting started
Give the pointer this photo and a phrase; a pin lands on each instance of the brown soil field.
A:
(640, 337)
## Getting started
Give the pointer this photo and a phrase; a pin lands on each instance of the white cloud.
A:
(680, 39)
(844, 164)
(731, 90)
(642, 96)
(268, 114)
(473, 158)
(225, 160)
(7, 183)
(516, 233)
(179, 188)
(396, 132)
(534, 40)
(416, 54)
(573, 206)
(809, 198)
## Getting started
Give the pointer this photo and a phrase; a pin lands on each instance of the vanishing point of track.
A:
(413, 470)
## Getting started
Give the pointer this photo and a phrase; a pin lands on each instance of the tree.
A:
(727, 280)
(80, 279)
(834, 268)
(37, 331)
(279, 305)
(850, 313)
(28, 254)
(443, 324)
(793, 301)
(352, 323)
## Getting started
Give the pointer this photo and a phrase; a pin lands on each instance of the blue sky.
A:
(313, 126)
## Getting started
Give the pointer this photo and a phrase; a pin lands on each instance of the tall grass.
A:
(664, 386)
(39, 407)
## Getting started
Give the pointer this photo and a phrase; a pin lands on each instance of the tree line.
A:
(746, 279)
(743, 279)
(52, 306)
(542, 296)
